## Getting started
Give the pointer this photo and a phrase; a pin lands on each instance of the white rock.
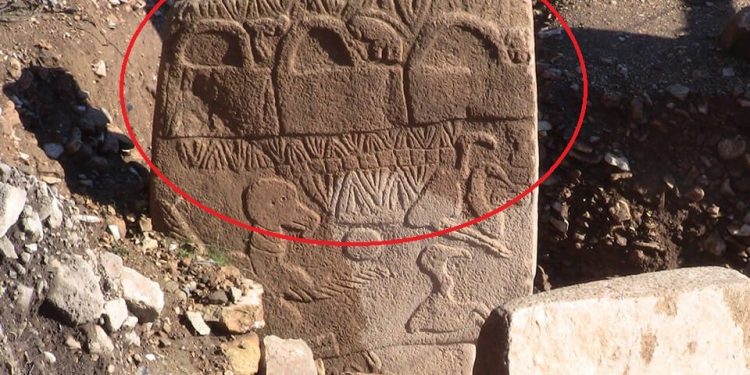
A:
(43, 199)
(618, 162)
(72, 343)
(235, 294)
(24, 299)
(55, 218)
(115, 231)
(144, 297)
(49, 208)
(130, 322)
(98, 341)
(550, 32)
(197, 323)
(51, 180)
(100, 68)
(112, 266)
(24, 258)
(115, 313)
(5, 170)
(32, 225)
(241, 317)
(131, 339)
(50, 358)
(7, 250)
(88, 219)
(12, 202)
(687, 321)
(75, 292)
(149, 244)
(284, 357)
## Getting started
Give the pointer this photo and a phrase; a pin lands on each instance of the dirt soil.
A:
(654, 182)
(684, 197)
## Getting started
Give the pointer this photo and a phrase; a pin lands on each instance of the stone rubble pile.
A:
(49, 268)
(222, 302)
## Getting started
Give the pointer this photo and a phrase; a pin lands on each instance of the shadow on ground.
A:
(53, 107)
(633, 62)
(159, 20)
(670, 144)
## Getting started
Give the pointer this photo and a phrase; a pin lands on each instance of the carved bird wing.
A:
(339, 285)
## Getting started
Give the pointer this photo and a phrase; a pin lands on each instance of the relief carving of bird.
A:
(441, 312)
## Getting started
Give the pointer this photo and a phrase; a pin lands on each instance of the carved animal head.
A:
(274, 204)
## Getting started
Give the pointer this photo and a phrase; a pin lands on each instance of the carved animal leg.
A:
(482, 311)
(373, 362)
(476, 237)
(268, 258)
(301, 287)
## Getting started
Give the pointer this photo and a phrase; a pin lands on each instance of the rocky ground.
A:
(74, 305)
(660, 178)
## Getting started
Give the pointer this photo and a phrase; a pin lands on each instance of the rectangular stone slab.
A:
(687, 321)
(357, 121)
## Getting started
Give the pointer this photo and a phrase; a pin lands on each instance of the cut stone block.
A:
(284, 357)
(243, 354)
(358, 121)
(688, 321)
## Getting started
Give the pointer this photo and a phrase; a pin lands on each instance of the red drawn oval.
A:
(394, 241)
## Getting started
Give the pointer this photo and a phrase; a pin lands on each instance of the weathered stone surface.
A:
(144, 297)
(75, 292)
(32, 226)
(43, 201)
(688, 321)
(242, 318)
(244, 354)
(115, 313)
(283, 357)
(12, 201)
(56, 216)
(24, 298)
(197, 323)
(97, 340)
(358, 121)
(131, 338)
(7, 250)
(112, 266)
